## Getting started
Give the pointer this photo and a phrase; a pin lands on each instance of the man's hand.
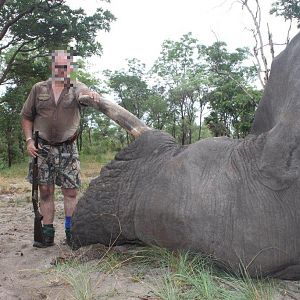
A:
(32, 151)
(89, 98)
(27, 126)
(94, 95)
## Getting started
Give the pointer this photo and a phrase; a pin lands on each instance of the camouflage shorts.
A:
(58, 165)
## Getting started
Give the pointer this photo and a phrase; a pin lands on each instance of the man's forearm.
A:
(27, 127)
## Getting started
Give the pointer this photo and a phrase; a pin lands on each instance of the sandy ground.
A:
(28, 273)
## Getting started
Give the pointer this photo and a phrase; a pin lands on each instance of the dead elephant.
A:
(238, 200)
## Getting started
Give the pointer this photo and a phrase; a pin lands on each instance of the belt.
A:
(67, 142)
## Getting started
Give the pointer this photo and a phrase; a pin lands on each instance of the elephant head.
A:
(237, 200)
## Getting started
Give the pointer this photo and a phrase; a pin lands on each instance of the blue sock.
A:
(68, 222)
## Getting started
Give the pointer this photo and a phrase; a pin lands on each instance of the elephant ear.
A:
(278, 119)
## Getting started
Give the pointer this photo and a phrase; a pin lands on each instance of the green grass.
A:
(171, 276)
(13, 180)
(189, 276)
(16, 171)
(83, 278)
(110, 262)
(78, 277)
(102, 158)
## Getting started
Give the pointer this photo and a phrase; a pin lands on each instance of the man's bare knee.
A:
(70, 193)
(46, 192)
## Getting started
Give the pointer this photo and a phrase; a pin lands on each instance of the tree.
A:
(157, 110)
(289, 9)
(264, 48)
(180, 68)
(11, 140)
(11, 105)
(259, 53)
(87, 114)
(232, 99)
(31, 28)
(131, 88)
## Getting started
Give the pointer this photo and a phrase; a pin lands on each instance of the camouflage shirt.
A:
(56, 122)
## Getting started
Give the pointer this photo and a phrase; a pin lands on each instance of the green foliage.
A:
(130, 87)
(29, 30)
(186, 80)
(232, 100)
(96, 131)
(182, 75)
(11, 143)
(157, 110)
(33, 28)
(194, 78)
(289, 9)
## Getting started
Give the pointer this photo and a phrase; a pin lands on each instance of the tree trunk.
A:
(9, 154)
(174, 126)
(21, 144)
(183, 131)
(9, 149)
(90, 138)
(200, 123)
(79, 140)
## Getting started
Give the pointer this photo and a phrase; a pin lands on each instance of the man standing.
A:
(53, 109)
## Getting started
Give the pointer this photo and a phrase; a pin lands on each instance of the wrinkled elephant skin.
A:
(237, 200)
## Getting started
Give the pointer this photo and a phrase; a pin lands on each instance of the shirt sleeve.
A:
(29, 110)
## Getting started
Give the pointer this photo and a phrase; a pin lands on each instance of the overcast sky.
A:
(143, 25)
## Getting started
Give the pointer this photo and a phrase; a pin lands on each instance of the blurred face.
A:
(61, 66)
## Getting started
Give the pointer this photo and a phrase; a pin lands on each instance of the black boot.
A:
(70, 240)
(68, 236)
(48, 233)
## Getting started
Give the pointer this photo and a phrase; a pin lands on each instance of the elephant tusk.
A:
(117, 113)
